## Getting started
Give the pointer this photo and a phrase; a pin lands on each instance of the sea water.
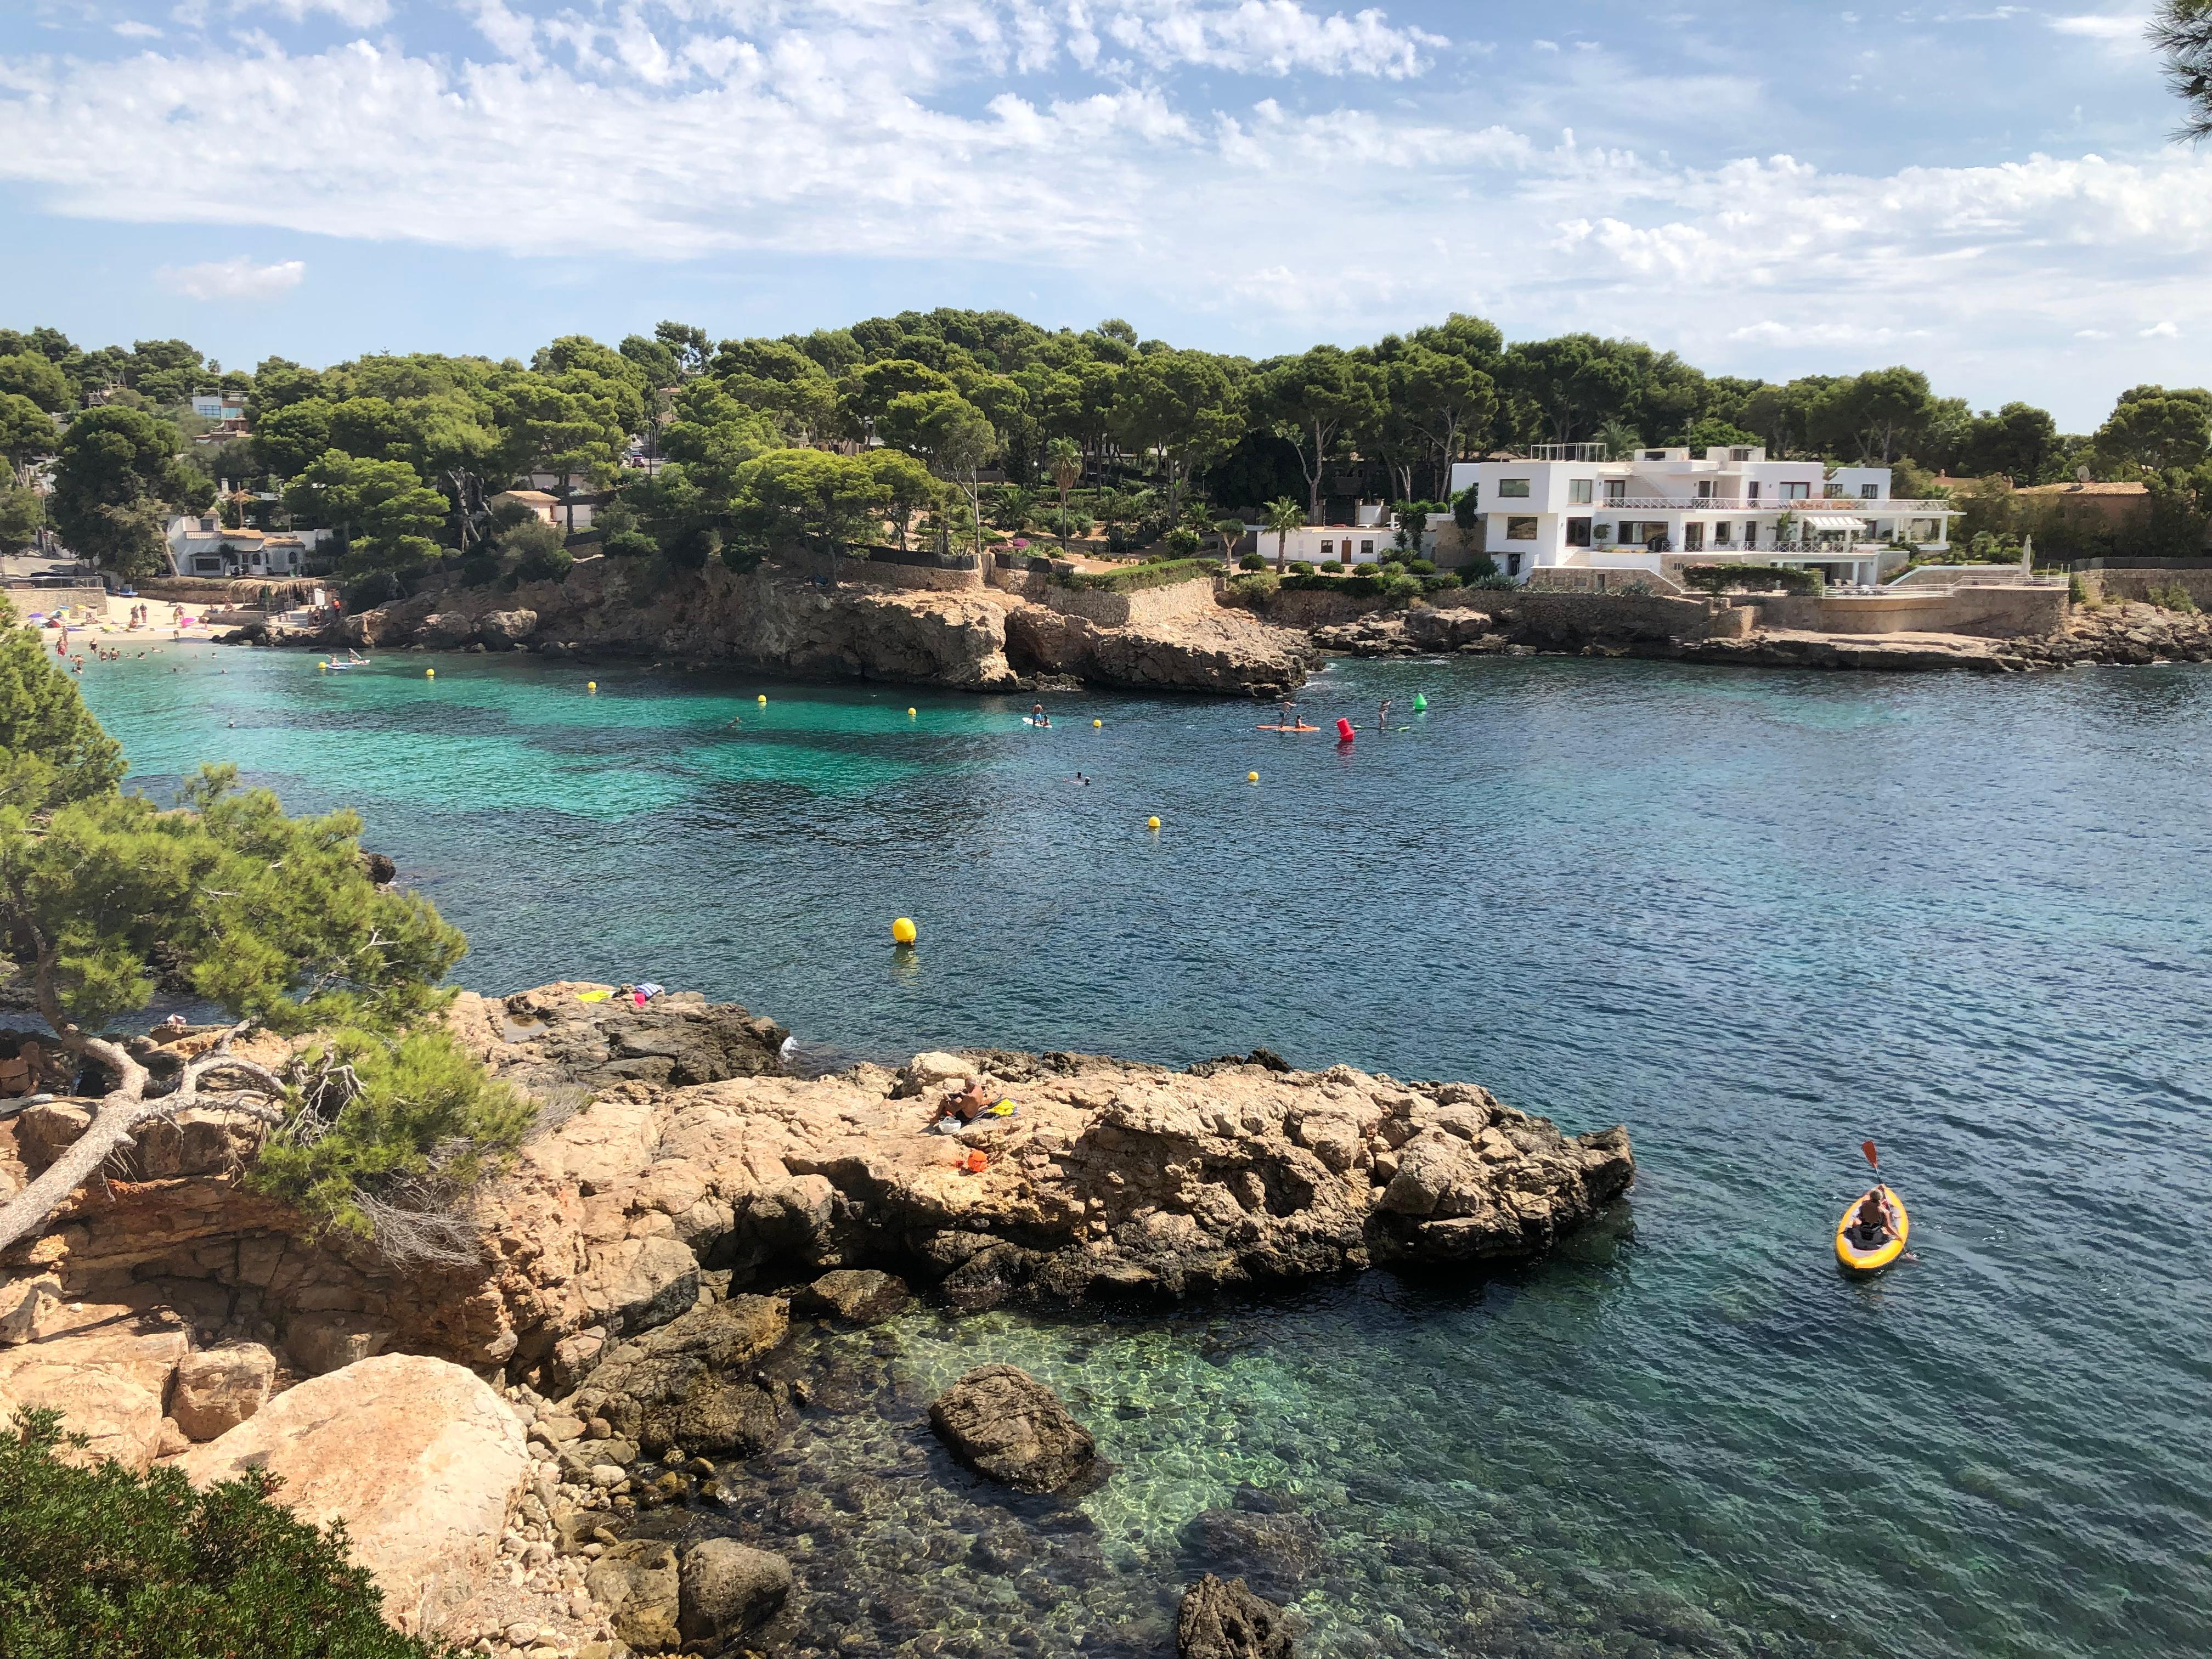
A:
(1756, 917)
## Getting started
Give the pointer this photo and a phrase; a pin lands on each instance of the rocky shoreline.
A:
(587, 1403)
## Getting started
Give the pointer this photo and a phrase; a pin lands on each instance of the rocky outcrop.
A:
(783, 622)
(639, 1581)
(1219, 1621)
(672, 1386)
(1420, 630)
(420, 1459)
(1007, 1427)
(105, 1366)
(1110, 1180)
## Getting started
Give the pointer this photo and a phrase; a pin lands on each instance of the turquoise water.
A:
(1756, 917)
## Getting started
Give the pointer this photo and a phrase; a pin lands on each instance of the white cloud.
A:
(1271, 37)
(2160, 331)
(131, 29)
(2093, 334)
(2127, 26)
(354, 14)
(232, 279)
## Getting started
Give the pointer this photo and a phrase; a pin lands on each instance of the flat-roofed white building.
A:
(1572, 506)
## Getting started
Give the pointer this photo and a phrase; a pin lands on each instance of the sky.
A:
(1986, 192)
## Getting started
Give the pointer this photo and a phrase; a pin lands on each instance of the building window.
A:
(1739, 454)
(1654, 454)
(1516, 488)
(1704, 489)
(1578, 490)
(1512, 564)
(1616, 491)
(1833, 492)
(1720, 534)
(1367, 548)
(1869, 492)
(1796, 492)
(1520, 529)
(1329, 550)
(1578, 532)
(1750, 534)
(1750, 492)
(1693, 539)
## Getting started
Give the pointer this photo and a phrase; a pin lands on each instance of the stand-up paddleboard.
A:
(1031, 719)
(1287, 728)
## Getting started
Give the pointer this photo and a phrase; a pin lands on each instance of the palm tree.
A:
(1282, 515)
(1063, 464)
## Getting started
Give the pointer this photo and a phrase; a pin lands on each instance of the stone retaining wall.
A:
(1578, 617)
(1176, 602)
(1988, 612)
(2135, 585)
(922, 578)
(48, 599)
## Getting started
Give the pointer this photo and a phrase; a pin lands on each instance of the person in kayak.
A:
(1870, 1228)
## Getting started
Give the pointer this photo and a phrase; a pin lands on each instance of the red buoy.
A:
(1343, 730)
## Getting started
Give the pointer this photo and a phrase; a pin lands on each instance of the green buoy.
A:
(1420, 702)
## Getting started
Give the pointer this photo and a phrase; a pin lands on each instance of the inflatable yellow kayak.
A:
(1867, 1262)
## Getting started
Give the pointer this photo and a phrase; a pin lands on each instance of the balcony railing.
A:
(1896, 507)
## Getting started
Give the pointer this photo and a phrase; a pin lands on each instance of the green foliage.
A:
(1183, 542)
(117, 478)
(51, 749)
(1442, 582)
(22, 513)
(382, 508)
(1164, 573)
(2157, 429)
(1750, 578)
(28, 374)
(1422, 566)
(423, 1120)
(629, 544)
(2078, 591)
(1466, 509)
(1251, 562)
(2181, 31)
(1302, 567)
(103, 1563)
(266, 916)
(479, 570)
(1330, 567)
(2172, 597)
(377, 587)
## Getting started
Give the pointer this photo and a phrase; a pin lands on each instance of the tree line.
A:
(925, 424)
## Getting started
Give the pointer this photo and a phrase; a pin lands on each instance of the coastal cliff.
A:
(985, 638)
(641, 1267)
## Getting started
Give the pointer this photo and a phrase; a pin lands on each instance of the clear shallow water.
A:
(1755, 917)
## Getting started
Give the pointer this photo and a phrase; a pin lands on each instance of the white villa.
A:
(1569, 506)
(200, 546)
(1372, 538)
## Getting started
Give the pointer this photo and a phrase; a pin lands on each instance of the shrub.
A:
(1303, 566)
(388, 1139)
(102, 1563)
(550, 565)
(377, 587)
(1443, 582)
(1136, 578)
(1751, 578)
(2077, 591)
(1332, 567)
(1422, 566)
(1182, 541)
(2172, 596)
(1251, 562)
(630, 544)
(479, 570)
(1395, 567)
(1259, 584)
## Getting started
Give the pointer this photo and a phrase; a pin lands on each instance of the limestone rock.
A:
(504, 631)
(1006, 1425)
(119, 1418)
(860, 1295)
(422, 1459)
(329, 1340)
(687, 1383)
(726, 1588)
(1219, 1621)
(637, 1581)
(218, 1389)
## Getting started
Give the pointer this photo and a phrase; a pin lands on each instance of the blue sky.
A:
(1985, 192)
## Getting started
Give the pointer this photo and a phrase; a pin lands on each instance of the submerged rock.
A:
(860, 1295)
(1219, 1621)
(727, 1588)
(638, 1583)
(688, 1383)
(1009, 1427)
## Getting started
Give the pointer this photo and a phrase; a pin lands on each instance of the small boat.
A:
(1855, 1259)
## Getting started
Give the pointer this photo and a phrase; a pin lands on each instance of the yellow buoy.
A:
(762, 698)
(590, 685)
(1099, 722)
(429, 673)
(903, 931)
(1151, 824)
(909, 714)
(1251, 777)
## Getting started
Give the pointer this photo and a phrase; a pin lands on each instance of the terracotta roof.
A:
(2086, 489)
(533, 497)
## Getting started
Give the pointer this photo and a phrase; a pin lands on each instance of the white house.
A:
(219, 405)
(1568, 505)
(565, 513)
(200, 546)
(1372, 538)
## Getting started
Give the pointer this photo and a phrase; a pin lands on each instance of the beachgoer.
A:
(1037, 715)
(965, 1105)
(1382, 719)
(1870, 1229)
